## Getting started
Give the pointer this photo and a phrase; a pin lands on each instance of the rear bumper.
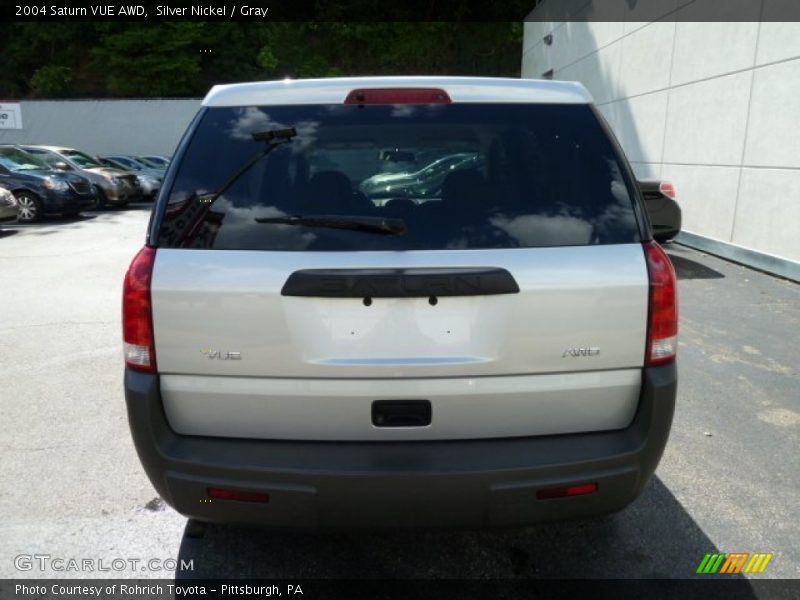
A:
(468, 483)
(471, 408)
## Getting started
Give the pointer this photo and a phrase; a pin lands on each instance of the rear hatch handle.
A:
(400, 283)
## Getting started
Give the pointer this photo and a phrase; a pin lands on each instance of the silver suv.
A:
(303, 353)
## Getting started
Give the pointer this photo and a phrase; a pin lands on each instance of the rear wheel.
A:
(101, 199)
(195, 529)
(30, 207)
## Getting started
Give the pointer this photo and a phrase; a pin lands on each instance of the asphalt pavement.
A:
(71, 485)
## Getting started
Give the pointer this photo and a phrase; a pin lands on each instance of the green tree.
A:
(28, 48)
(401, 48)
(147, 60)
(97, 59)
(52, 81)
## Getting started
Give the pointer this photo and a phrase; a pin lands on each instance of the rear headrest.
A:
(464, 185)
(332, 184)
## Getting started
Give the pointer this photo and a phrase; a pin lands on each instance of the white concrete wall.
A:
(713, 107)
(105, 126)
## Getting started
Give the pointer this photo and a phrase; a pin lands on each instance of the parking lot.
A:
(73, 486)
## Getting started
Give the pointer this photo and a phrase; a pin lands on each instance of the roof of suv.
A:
(335, 90)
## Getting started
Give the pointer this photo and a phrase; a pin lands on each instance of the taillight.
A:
(137, 313)
(398, 96)
(668, 190)
(662, 329)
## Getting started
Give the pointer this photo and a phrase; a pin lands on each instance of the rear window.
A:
(459, 176)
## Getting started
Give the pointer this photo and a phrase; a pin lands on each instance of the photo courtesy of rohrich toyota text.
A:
(153, 590)
(405, 300)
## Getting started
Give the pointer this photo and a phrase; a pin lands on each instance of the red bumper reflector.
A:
(566, 491)
(668, 189)
(398, 96)
(241, 496)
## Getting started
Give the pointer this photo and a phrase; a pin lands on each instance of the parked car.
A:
(41, 190)
(149, 178)
(501, 355)
(159, 162)
(8, 205)
(423, 182)
(143, 164)
(660, 198)
(113, 186)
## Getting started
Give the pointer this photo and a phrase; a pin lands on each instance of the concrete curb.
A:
(768, 263)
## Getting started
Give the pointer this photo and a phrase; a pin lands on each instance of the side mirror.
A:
(62, 166)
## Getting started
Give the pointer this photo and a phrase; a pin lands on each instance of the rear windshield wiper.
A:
(367, 224)
(274, 138)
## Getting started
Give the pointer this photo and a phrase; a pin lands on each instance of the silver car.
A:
(153, 160)
(422, 182)
(114, 187)
(498, 353)
(149, 178)
(8, 206)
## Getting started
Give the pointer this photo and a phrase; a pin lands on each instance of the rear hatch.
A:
(512, 296)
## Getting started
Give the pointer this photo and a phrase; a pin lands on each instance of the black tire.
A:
(195, 529)
(101, 203)
(30, 207)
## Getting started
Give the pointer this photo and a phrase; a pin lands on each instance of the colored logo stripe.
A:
(711, 562)
(703, 564)
(758, 563)
(733, 563)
